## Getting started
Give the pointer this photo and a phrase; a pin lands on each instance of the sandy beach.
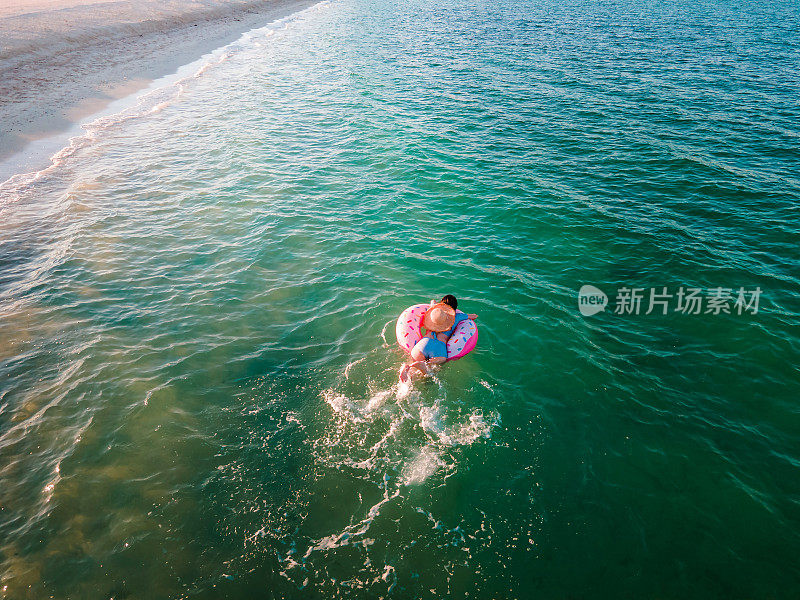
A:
(63, 60)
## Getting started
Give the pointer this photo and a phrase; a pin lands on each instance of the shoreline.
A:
(64, 61)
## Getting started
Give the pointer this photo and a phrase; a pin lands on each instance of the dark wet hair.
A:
(451, 301)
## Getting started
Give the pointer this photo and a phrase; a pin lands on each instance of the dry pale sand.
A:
(62, 60)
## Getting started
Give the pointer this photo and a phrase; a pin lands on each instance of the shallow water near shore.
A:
(198, 376)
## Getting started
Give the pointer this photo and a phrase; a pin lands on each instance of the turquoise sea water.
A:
(198, 390)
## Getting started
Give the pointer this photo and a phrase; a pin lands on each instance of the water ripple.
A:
(197, 372)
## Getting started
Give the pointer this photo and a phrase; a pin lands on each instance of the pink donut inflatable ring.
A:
(408, 331)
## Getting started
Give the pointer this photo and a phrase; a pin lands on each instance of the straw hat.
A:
(439, 317)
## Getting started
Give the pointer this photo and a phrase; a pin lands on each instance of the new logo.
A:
(591, 300)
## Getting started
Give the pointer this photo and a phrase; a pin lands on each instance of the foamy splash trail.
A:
(398, 414)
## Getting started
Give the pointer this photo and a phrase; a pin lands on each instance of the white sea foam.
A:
(389, 576)
(352, 534)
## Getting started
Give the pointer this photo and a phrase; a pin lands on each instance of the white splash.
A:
(425, 464)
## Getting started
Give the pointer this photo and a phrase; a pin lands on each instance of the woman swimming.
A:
(439, 321)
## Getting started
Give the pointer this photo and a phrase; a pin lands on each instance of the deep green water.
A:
(197, 364)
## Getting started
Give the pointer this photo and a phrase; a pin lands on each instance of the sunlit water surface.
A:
(198, 391)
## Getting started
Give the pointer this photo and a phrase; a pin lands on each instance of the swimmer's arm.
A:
(472, 316)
